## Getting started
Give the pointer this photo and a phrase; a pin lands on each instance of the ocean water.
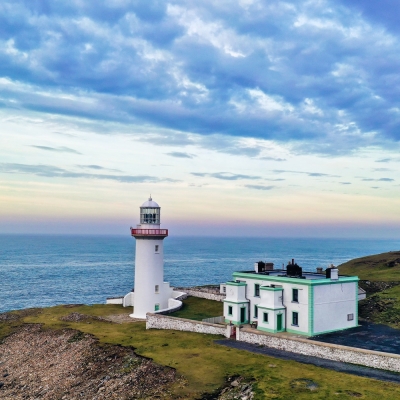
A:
(46, 270)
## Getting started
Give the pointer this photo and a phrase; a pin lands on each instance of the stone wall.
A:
(114, 300)
(204, 293)
(368, 358)
(157, 321)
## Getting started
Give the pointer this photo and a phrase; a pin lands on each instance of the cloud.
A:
(57, 149)
(345, 183)
(98, 168)
(273, 159)
(227, 176)
(326, 81)
(312, 174)
(179, 154)
(49, 171)
(389, 159)
(377, 180)
(260, 187)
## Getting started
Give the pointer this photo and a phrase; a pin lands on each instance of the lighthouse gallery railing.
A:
(149, 232)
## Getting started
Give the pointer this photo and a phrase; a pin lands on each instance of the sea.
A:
(47, 270)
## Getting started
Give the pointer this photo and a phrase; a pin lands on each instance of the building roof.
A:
(150, 204)
(307, 278)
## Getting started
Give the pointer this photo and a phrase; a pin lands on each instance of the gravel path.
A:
(319, 362)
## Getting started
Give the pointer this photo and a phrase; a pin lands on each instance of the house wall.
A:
(236, 298)
(332, 304)
(301, 307)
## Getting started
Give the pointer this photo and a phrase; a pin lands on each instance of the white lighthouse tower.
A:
(151, 292)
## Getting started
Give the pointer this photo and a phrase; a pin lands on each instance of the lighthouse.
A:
(151, 293)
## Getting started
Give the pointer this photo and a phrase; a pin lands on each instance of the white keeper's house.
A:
(290, 300)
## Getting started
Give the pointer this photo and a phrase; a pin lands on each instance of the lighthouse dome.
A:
(150, 204)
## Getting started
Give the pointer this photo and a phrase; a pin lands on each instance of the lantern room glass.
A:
(149, 215)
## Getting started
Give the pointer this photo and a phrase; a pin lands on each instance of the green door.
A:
(279, 322)
(242, 315)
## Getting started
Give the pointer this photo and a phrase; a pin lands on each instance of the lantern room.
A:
(150, 212)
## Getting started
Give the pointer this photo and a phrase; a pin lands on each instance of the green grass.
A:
(382, 307)
(205, 365)
(384, 267)
(198, 309)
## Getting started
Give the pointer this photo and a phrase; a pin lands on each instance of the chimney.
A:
(334, 273)
(292, 261)
(319, 270)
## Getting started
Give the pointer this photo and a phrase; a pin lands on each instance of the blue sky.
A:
(240, 118)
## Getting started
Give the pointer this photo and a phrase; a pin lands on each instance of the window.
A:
(295, 295)
(255, 311)
(265, 317)
(157, 288)
(256, 290)
(229, 310)
(295, 318)
(156, 307)
(156, 248)
(350, 317)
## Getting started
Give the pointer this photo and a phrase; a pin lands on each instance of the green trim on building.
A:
(227, 321)
(297, 332)
(271, 309)
(356, 313)
(260, 328)
(233, 283)
(297, 281)
(269, 288)
(235, 302)
(310, 310)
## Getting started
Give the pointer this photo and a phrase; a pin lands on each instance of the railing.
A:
(149, 232)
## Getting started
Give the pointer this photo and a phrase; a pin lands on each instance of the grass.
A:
(382, 307)
(205, 365)
(384, 267)
(197, 308)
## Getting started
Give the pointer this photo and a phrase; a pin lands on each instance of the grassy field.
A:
(382, 267)
(198, 309)
(205, 365)
(382, 307)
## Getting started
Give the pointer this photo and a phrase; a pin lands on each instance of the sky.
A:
(240, 118)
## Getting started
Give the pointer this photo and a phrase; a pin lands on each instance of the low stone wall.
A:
(329, 351)
(368, 358)
(203, 293)
(157, 321)
(173, 305)
(114, 300)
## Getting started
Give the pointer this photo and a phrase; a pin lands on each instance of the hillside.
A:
(380, 276)
(384, 267)
(86, 352)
